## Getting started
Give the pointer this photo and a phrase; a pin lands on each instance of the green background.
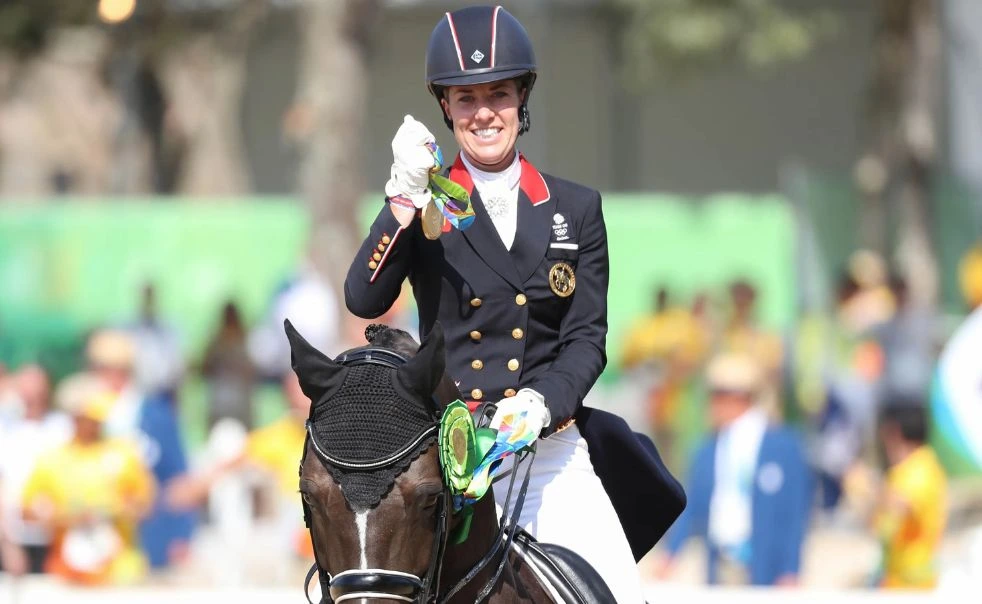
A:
(68, 267)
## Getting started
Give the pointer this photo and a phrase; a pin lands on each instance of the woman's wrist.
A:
(403, 213)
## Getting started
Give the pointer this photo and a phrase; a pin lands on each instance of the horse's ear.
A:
(423, 372)
(317, 373)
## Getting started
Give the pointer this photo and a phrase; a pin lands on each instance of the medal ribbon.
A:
(451, 199)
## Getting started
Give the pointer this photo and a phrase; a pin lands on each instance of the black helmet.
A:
(477, 45)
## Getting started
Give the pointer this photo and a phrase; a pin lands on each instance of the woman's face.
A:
(485, 121)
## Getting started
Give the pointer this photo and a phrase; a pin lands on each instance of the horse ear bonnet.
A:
(372, 416)
(319, 376)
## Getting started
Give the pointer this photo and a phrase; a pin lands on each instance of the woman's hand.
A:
(415, 155)
(527, 405)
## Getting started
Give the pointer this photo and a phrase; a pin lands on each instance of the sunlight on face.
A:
(485, 121)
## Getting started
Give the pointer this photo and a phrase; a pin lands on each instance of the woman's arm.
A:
(382, 263)
(583, 330)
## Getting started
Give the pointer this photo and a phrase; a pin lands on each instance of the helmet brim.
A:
(483, 77)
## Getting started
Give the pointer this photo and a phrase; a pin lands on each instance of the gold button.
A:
(476, 394)
(520, 299)
(381, 247)
(477, 364)
(513, 365)
(372, 264)
(377, 256)
(510, 392)
(475, 335)
(385, 239)
(517, 333)
(475, 302)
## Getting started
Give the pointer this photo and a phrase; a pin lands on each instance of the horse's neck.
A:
(461, 558)
(514, 586)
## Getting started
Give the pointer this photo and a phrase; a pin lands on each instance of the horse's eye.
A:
(428, 495)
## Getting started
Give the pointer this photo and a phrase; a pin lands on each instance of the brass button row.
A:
(520, 299)
(478, 364)
(477, 394)
(377, 256)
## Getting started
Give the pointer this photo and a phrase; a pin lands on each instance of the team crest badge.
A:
(562, 279)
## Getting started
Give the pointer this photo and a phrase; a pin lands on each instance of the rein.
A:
(400, 586)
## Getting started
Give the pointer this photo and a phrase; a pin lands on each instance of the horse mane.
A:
(378, 334)
(392, 338)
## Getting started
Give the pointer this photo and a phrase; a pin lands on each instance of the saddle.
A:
(562, 572)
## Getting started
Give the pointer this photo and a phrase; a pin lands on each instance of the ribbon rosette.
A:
(470, 457)
(512, 436)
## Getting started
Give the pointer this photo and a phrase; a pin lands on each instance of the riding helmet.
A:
(477, 45)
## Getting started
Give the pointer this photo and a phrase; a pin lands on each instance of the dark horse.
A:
(379, 511)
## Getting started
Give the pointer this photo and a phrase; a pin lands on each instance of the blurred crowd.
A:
(777, 431)
(773, 432)
(99, 481)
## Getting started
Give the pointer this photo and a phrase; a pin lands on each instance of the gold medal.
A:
(432, 221)
(562, 280)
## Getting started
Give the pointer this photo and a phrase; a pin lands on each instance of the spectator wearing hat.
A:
(749, 486)
(152, 422)
(90, 493)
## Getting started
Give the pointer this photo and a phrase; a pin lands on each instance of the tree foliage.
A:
(675, 37)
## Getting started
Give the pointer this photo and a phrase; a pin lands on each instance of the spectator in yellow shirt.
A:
(911, 513)
(91, 492)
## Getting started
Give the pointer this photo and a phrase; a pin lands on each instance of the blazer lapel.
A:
(481, 235)
(535, 210)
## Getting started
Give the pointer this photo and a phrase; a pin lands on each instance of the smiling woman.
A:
(485, 121)
(521, 293)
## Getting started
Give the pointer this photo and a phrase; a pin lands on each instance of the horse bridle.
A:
(392, 585)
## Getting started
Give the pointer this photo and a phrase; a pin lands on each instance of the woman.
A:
(521, 293)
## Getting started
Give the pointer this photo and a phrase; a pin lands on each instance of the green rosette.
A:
(458, 447)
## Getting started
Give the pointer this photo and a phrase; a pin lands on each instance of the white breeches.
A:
(566, 504)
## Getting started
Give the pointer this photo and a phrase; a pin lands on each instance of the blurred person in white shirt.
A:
(38, 430)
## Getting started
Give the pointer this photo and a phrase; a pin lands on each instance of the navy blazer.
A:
(780, 506)
(505, 326)
(509, 324)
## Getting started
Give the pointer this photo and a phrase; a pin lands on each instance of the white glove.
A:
(412, 163)
(526, 402)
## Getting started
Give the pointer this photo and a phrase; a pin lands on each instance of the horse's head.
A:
(370, 478)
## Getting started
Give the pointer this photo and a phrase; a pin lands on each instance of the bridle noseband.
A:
(392, 585)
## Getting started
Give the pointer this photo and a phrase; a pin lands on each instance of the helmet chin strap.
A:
(524, 121)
